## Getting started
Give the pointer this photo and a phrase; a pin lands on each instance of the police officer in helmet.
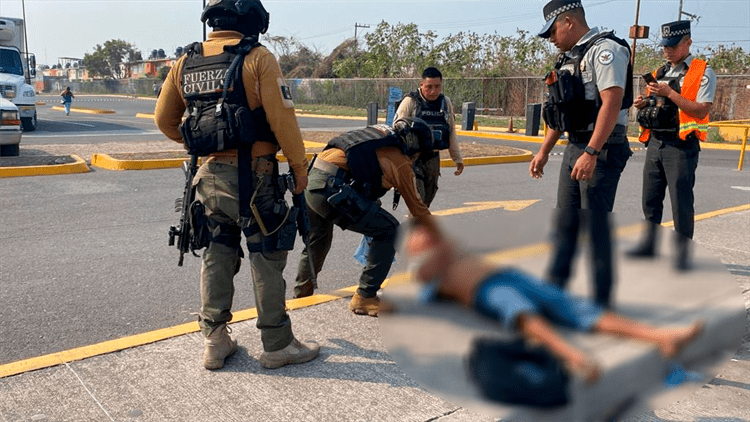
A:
(346, 181)
(590, 91)
(239, 130)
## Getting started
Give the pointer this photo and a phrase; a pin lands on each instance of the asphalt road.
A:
(84, 257)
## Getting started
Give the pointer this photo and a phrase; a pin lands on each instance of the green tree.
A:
(390, 51)
(163, 72)
(648, 57)
(105, 61)
(726, 60)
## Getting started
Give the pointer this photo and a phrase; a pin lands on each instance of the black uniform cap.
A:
(672, 33)
(553, 9)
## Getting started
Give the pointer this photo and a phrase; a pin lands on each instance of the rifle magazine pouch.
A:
(514, 373)
(284, 230)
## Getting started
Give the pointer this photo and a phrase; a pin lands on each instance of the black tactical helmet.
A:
(416, 134)
(246, 16)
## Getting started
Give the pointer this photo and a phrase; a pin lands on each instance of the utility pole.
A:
(204, 23)
(637, 32)
(692, 17)
(356, 25)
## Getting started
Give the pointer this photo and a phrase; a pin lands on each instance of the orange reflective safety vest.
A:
(689, 91)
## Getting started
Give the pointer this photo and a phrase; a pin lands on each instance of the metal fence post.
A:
(372, 114)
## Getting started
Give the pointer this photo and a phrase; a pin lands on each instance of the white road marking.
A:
(741, 187)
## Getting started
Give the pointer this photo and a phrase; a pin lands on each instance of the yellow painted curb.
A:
(105, 161)
(324, 116)
(79, 166)
(498, 159)
(110, 346)
(505, 136)
(144, 115)
(85, 110)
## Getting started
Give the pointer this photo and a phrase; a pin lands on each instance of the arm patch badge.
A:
(286, 93)
(606, 57)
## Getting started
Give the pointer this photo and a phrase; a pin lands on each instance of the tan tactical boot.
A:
(295, 352)
(364, 306)
(217, 347)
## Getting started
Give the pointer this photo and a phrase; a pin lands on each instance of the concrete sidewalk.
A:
(354, 379)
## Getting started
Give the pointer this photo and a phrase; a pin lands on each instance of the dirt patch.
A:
(468, 149)
(41, 160)
(148, 150)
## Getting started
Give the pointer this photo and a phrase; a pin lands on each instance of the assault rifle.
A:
(303, 222)
(183, 232)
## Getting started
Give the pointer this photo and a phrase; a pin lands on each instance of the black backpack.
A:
(514, 373)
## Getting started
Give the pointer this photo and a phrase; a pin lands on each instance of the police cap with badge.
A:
(673, 32)
(554, 9)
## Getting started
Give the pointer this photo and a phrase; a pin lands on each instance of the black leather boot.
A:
(647, 247)
(682, 253)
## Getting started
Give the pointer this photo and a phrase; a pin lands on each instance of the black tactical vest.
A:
(661, 115)
(219, 117)
(435, 114)
(567, 108)
(359, 146)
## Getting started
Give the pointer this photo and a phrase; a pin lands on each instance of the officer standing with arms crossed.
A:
(346, 181)
(674, 120)
(594, 67)
(227, 175)
(429, 104)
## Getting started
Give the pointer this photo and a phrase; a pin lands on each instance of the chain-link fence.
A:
(493, 96)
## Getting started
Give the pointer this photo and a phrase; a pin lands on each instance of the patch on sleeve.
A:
(286, 93)
(606, 57)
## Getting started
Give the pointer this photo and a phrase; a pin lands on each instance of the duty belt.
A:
(332, 169)
(618, 136)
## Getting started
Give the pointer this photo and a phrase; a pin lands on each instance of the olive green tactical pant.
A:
(427, 172)
(380, 225)
(216, 187)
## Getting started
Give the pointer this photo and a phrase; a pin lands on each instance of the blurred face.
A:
(561, 34)
(431, 88)
(678, 53)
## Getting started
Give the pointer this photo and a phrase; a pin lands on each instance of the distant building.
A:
(146, 68)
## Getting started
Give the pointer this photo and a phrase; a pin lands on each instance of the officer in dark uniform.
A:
(590, 92)
(674, 120)
(431, 105)
(240, 115)
(346, 181)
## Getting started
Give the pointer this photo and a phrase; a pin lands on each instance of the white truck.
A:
(17, 67)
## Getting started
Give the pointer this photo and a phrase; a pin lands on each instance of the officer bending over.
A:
(346, 181)
(429, 104)
(674, 120)
(238, 183)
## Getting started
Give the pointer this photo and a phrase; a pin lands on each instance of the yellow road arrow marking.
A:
(488, 205)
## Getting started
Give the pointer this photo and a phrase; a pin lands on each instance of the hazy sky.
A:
(71, 28)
